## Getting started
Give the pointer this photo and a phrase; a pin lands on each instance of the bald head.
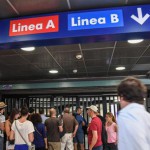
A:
(52, 112)
(66, 110)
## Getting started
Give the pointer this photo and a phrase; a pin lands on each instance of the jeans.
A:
(98, 148)
(1, 143)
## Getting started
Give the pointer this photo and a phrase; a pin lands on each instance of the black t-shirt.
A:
(52, 126)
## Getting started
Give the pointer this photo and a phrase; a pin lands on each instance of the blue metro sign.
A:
(97, 19)
(108, 24)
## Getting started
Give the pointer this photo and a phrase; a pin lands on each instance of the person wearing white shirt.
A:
(26, 130)
(133, 119)
(41, 111)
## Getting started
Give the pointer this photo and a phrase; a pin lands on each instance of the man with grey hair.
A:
(70, 126)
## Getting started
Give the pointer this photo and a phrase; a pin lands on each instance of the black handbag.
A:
(11, 142)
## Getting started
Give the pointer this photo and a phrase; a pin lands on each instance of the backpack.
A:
(104, 132)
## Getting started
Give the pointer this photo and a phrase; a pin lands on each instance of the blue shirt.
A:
(43, 118)
(134, 128)
(79, 119)
(39, 139)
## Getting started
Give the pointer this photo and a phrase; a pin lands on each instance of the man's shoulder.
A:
(96, 120)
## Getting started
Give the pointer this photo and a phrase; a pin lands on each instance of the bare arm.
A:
(31, 137)
(75, 130)
(83, 123)
(60, 129)
(7, 128)
(94, 140)
(46, 145)
(12, 135)
(116, 128)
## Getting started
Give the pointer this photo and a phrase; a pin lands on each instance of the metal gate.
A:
(105, 103)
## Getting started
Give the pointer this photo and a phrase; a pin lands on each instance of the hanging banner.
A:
(108, 24)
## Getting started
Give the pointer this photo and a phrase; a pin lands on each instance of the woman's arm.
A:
(7, 128)
(31, 137)
(12, 135)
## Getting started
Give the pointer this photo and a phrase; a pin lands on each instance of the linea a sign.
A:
(97, 19)
(34, 25)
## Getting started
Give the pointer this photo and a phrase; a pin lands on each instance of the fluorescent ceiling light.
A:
(28, 48)
(120, 68)
(135, 41)
(53, 71)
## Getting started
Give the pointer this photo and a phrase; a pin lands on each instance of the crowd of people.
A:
(66, 132)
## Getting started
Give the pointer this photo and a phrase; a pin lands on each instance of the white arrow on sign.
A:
(140, 18)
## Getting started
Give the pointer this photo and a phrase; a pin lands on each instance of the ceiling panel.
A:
(98, 54)
(48, 65)
(14, 59)
(124, 61)
(86, 4)
(126, 44)
(72, 64)
(38, 58)
(144, 60)
(96, 62)
(135, 2)
(65, 56)
(7, 52)
(128, 52)
(97, 69)
(147, 53)
(5, 10)
(64, 48)
(141, 67)
(30, 7)
(98, 45)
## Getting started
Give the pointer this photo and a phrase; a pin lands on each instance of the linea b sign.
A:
(34, 25)
(96, 19)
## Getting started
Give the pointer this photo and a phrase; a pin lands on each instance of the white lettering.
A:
(79, 21)
(14, 28)
(85, 22)
(50, 24)
(93, 21)
(24, 28)
(114, 18)
(101, 20)
(39, 26)
(19, 27)
(31, 27)
(73, 22)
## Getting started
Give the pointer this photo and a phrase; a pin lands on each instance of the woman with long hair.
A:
(40, 139)
(111, 128)
(13, 116)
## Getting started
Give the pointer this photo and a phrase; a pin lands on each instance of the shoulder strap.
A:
(38, 131)
(20, 134)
